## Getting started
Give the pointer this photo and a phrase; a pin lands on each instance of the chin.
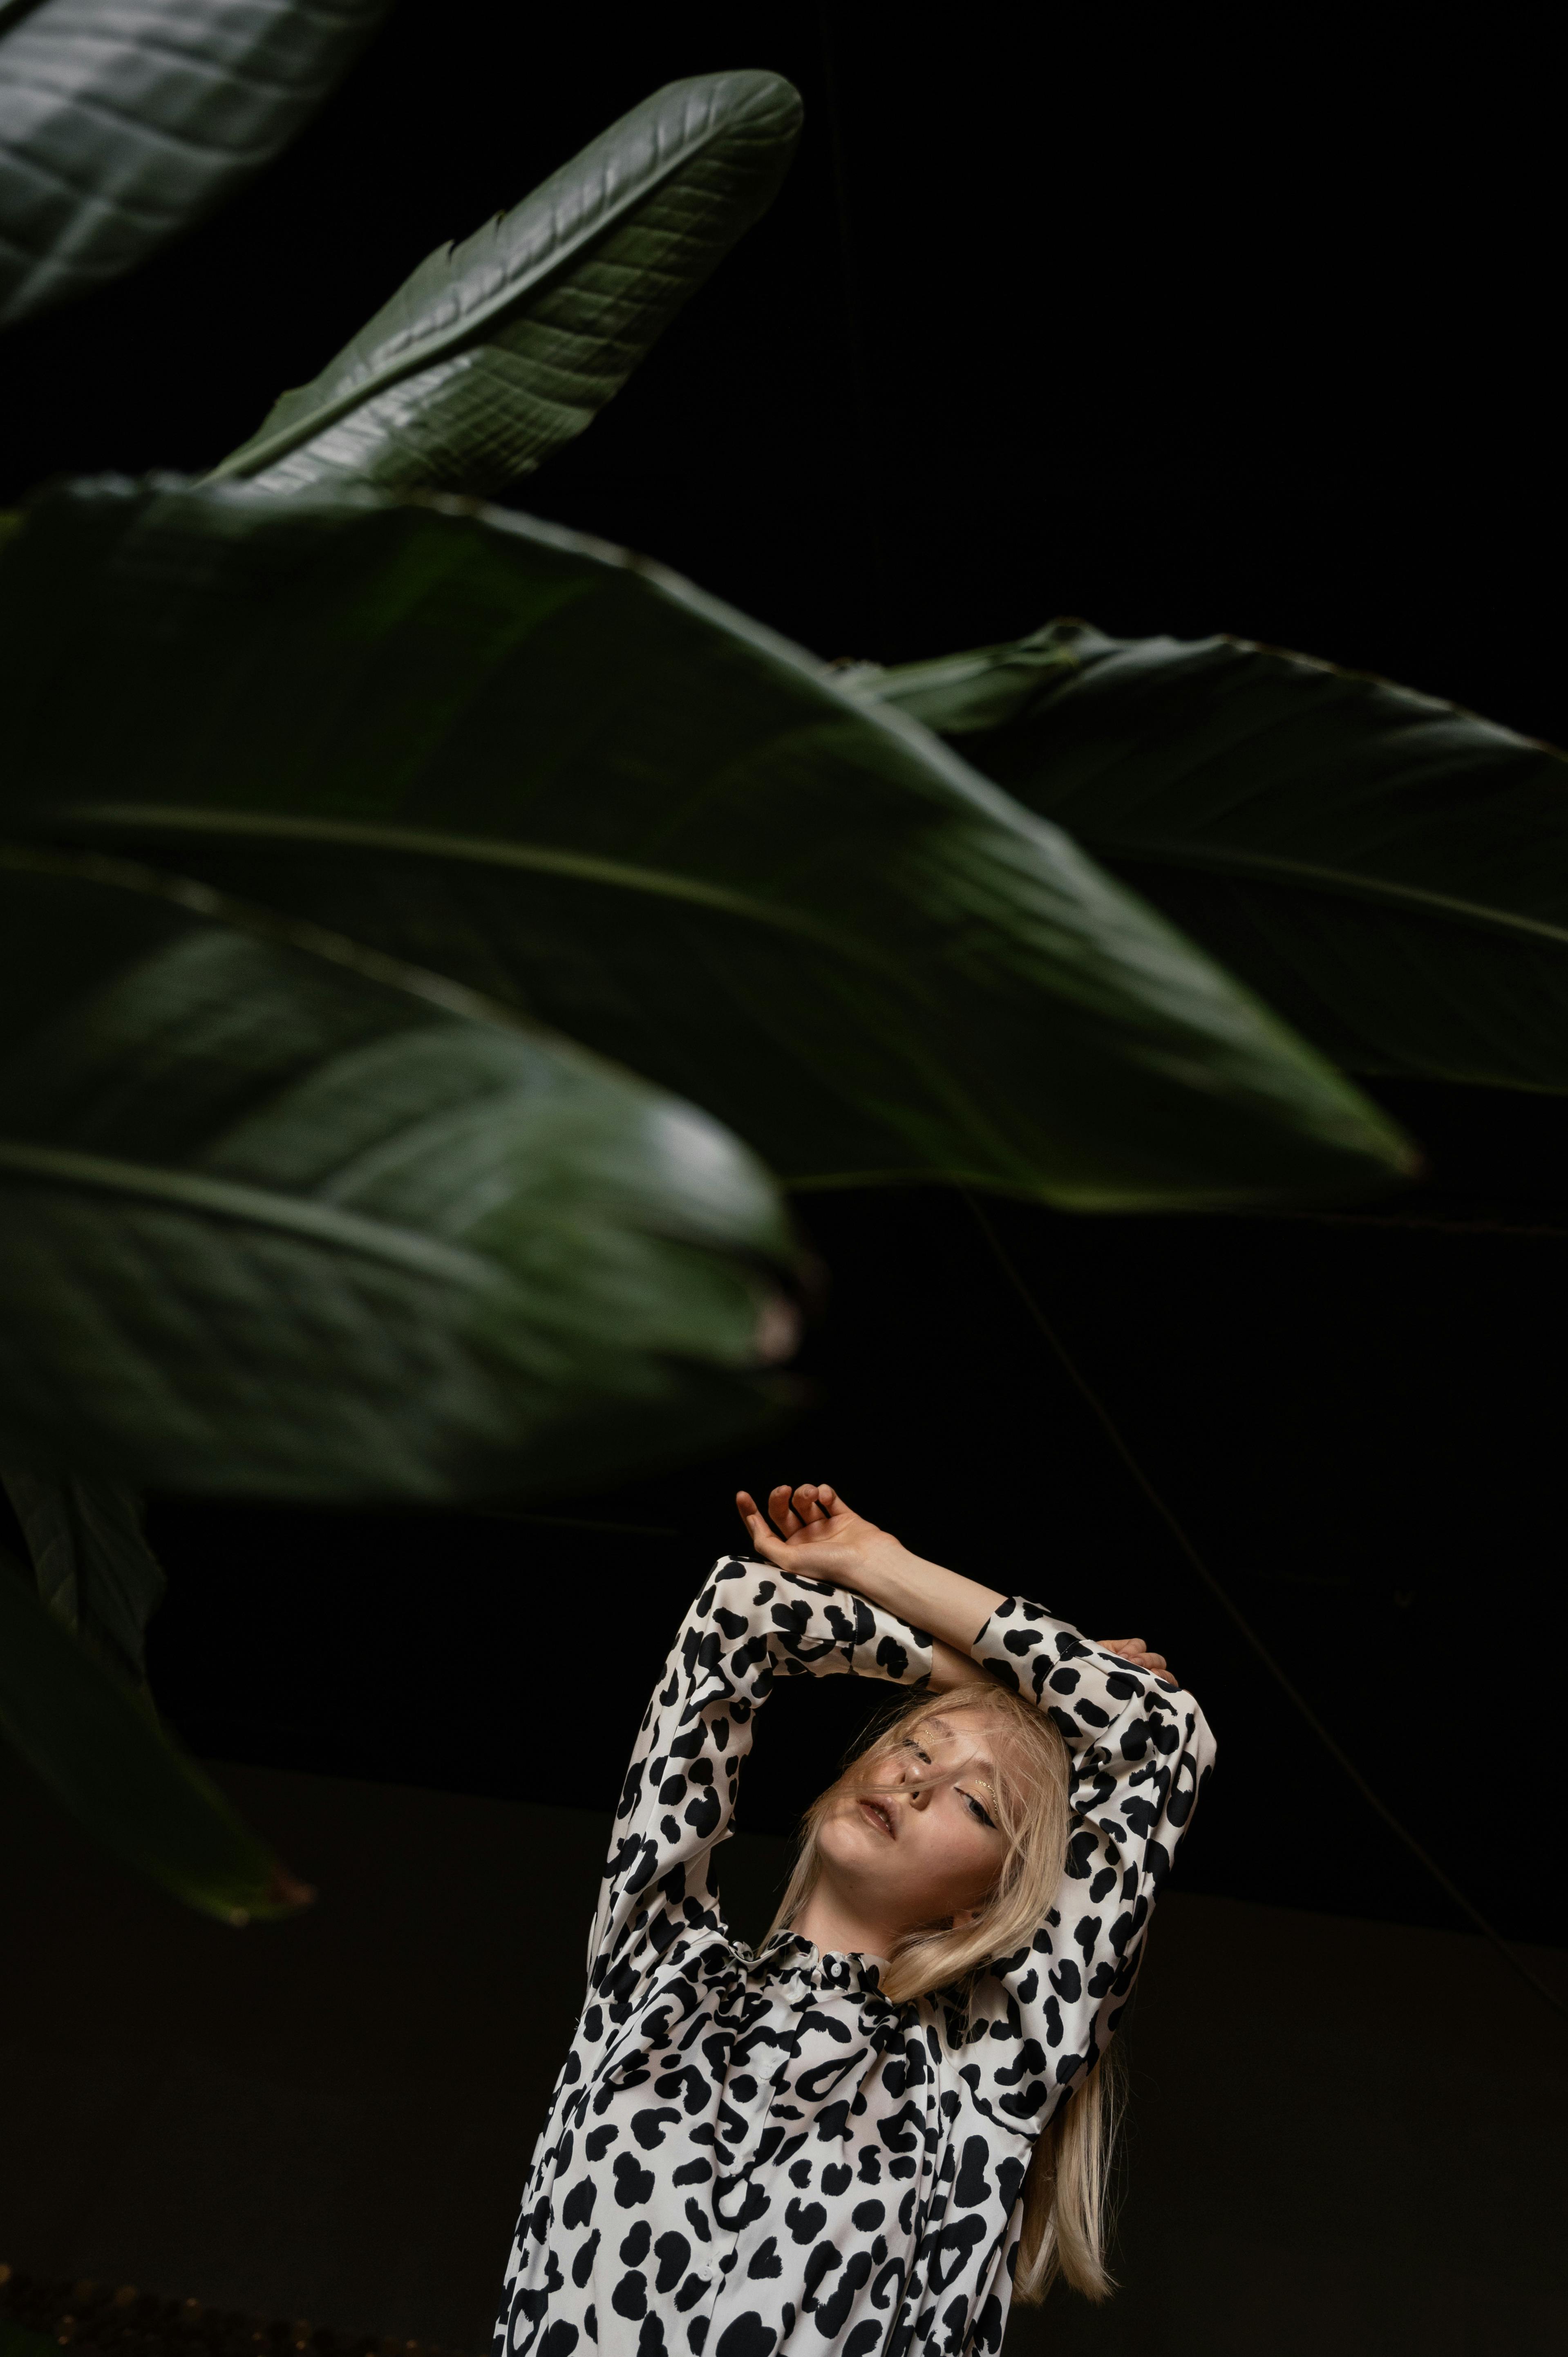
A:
(846, 1837)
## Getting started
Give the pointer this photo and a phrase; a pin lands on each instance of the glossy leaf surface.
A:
(567, 778)
(102, 1752)
(271, 1226)
(121, 125)
(94, 1568)
(497, 350)
(1389, 871)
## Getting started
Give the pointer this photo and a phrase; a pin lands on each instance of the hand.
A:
(818, 1535)
(822, 1538)
(1133, 1650)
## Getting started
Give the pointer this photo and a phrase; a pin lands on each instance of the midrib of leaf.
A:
(203, 901)
(197, 898)
(582, 867)
(1279, 867)
(252, 455)
(224, 1199)
(904, 682)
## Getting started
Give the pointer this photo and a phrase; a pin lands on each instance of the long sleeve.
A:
(750, 1625)
(1139, 1754)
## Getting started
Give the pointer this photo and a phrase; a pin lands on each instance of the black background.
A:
(1183, 330)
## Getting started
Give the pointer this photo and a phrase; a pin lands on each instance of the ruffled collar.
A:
(787, 1955)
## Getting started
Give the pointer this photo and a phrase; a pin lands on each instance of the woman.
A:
(855, 2140)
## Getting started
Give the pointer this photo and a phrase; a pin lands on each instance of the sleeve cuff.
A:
(1046, 1661)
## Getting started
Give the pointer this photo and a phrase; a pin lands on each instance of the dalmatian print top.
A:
(746, 2153)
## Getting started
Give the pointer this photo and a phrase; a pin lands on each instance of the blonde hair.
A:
(1066, 2188)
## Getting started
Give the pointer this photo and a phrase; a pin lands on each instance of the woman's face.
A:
(910, 1858)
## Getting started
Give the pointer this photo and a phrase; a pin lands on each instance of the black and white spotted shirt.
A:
(748, 2152)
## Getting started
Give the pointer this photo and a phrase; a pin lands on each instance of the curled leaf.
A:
(102, 1752)
(499, 351)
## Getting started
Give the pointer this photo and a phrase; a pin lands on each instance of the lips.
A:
(880, 1816)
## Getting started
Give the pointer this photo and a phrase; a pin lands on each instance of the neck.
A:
(833, 1922)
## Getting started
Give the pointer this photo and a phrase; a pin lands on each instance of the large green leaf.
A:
(102, 1752)
(122, 123)
(497, 350)
(569, 780)
(94, 1568)
(271, 1225)
(1389, 871)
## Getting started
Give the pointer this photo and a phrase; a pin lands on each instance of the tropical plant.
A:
(435, 939)
(1389, 872)
(120, 126)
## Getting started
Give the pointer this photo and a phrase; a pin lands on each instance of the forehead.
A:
(951, 1728)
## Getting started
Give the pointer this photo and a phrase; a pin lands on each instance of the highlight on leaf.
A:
(282, 1220)
(120, 126)
(499, 351)
(559, 775)
(1388, 870)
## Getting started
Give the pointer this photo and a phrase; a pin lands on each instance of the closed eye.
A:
(976, 1811)
(910, 1744)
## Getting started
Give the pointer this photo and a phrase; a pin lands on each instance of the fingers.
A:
(1136, 1653)
(782, 1513)
(766, 1544)
(793, 1507)
(771, 1549)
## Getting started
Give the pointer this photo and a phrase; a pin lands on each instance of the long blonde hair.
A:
(1066, 2189)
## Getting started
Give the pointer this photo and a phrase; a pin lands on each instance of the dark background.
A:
(1188, 331)
(1336, 2140)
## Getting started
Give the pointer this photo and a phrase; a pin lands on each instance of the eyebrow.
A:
(979, 1763)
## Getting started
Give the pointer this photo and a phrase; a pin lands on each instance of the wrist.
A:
(929, 1597)
(875, 1571)
(903, 1583)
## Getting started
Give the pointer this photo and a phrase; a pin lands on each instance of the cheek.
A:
(959, 1862)
(846, 1844)
(978, 1867)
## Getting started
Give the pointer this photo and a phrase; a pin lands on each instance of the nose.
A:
(897, 1789)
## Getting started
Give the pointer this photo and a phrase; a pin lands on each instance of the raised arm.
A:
(810, 1529)
(827, 1540)
(1139, 1749)
(748, 1626)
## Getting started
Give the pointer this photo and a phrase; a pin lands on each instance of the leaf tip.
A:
(286, 1890)
(285, 1894)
